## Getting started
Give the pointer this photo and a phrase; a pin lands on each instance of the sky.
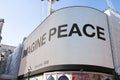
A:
(23, 16)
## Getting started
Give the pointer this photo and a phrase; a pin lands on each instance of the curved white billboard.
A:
(73, 35)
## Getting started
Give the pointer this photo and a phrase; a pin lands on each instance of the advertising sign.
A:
(73, 35)
(77, 76)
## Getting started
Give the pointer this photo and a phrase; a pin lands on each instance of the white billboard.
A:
(73, 35)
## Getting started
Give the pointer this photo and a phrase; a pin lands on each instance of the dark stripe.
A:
(89, 68)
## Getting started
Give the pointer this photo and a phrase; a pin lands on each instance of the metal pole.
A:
(50, 3)
(110, 5)
(42, 9)
(50, 6)
(29, 72)
(29, 75)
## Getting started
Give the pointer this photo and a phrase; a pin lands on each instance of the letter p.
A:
(51, 33)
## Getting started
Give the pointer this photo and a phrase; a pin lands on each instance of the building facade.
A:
(5, 51)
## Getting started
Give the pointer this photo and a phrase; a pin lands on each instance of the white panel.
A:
(74, 49)
(114, 22)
